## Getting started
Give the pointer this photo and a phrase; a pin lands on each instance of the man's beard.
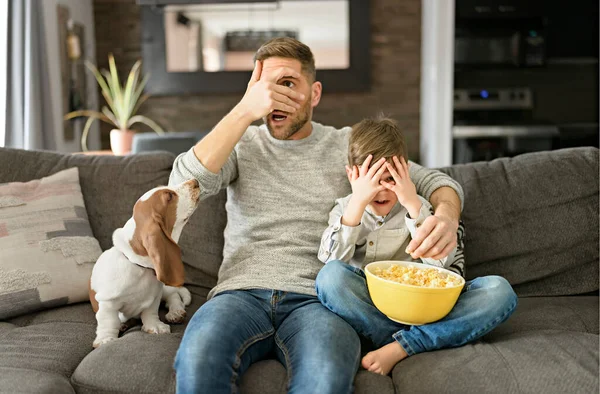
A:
(294, 127)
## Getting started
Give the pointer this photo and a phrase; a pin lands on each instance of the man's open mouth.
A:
(278, 117)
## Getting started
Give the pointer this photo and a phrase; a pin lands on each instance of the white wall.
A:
(437, 82)
(3, 69)
(81, 11)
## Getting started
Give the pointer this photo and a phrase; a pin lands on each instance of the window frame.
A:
(356, 78)
(4, 11)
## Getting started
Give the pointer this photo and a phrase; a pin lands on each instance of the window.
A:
(3, 68)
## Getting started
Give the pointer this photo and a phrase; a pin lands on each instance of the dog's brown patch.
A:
(154, 221)
(92, 294)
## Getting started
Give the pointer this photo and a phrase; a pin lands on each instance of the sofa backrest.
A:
(111, 185)
(533, 219)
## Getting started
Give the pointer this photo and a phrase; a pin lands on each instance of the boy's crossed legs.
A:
(484, 303)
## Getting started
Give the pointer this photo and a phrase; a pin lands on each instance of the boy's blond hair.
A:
(289, 48)
(380, 137)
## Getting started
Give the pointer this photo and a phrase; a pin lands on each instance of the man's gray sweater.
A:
(279, 195)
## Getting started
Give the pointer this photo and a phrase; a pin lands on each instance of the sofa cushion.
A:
(267, 376)
(137, 362)
(540, 361)
(40, 351)
(549, 345)
(47, 245)
(533, 219)
(536, 315)
(18, 380)
(576, 313)
(270, 377)
(108, 369)
(202, 241)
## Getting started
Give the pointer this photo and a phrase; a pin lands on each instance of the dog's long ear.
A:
(154, 220)
(164, 253)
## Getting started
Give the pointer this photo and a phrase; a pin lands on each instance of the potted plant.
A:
(123, 103)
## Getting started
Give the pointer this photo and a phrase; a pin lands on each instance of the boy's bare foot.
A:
(382, 360)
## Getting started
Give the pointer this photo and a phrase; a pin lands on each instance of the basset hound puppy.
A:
(144, 265)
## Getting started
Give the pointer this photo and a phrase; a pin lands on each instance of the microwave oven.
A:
(499, 43)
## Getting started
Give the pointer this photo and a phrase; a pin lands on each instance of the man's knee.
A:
(192, 354)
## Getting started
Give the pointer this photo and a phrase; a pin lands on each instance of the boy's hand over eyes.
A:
(403, 186)
(365, 186)
(365, 181)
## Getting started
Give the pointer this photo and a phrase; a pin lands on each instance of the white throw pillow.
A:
(47, 248)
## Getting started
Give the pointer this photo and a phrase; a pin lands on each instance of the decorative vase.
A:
(120, 141)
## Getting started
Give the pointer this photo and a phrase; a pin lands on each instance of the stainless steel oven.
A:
(492, 123)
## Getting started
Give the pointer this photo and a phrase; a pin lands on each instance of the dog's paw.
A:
(157, 328)
(176, 316)
(101, 341)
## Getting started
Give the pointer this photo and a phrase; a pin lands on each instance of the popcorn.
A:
(424, 277)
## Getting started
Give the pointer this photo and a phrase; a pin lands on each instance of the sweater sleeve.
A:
(338, 241)
(187, 166)
(413, 224)
(455, 261)
(427, 181)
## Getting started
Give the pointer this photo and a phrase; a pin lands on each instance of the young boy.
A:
(376, 222)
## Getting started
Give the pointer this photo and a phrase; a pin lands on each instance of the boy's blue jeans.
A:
(320, 351)
(484, 303)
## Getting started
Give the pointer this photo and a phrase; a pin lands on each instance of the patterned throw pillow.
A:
(47, 248)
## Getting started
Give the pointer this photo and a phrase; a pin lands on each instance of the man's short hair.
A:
(380, 137)
(289, 48)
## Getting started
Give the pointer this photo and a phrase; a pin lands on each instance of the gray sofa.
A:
(532, 219)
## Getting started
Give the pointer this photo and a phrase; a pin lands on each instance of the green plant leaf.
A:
(115, 107)
(106, 91)
(85, 132)
(88, 113)
(130, 88)
(109, 102)
(137, 94)
(110, 115)
(148, 122)
(118, 94)
(139, 103)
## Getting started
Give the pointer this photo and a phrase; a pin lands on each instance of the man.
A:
(282, 179)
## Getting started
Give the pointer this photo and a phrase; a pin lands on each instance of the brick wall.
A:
(395, 74)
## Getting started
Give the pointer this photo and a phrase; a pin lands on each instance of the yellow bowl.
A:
(408, 304)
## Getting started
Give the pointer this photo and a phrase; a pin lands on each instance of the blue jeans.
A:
(320, 351)
(483, 304)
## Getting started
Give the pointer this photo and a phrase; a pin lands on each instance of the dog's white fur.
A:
(124, 289)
